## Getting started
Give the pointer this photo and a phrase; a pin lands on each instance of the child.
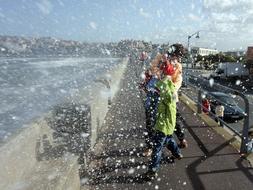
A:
(206, 106)
(250, 143)
(219, 112)
(175, 54)
(165, 122)
(150, 110)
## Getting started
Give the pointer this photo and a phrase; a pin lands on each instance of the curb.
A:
(224, 132)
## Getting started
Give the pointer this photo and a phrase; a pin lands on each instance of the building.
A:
(249, 54)
(249, 59)
(235, 53)
(203, 51)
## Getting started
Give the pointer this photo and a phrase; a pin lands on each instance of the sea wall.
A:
(49, 152)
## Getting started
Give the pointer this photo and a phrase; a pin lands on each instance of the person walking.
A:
(250, 143)
(151, 103)
(165, 122)
(173, 56)
(219, 112)
(175, 53)
(206, 106)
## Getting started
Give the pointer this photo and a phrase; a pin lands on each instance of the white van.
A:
(230, 70)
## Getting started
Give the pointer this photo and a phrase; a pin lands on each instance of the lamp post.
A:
(189, 37)
(189, 52)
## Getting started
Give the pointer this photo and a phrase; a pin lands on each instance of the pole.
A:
(245, 131)
(187, 64)
(189, 55)
(199, 102)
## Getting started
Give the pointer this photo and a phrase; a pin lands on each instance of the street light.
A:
(188, 42)
(189, 37)
(189, 53)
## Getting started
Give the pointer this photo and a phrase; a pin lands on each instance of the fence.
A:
(202, 85)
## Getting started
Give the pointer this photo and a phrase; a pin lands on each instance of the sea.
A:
(30, 87)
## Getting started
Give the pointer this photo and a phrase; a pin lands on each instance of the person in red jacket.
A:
(205, 106)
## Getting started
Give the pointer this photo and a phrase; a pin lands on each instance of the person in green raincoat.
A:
(165, 121)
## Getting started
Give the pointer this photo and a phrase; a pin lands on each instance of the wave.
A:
(27, 94)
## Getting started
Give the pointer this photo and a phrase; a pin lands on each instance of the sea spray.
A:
(64, 130)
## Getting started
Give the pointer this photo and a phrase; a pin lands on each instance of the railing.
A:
(202, 85)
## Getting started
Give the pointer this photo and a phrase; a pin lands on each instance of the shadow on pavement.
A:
(136, 152)
(191, 170)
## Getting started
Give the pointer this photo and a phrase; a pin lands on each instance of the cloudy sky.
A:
(223, 24)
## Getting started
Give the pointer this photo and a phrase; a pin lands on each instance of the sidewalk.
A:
(209, 162)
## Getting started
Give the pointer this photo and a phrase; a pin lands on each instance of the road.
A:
(193, 94)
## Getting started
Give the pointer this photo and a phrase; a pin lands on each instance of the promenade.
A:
(210, 162)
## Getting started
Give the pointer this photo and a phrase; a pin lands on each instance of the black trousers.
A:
(150, 124)
(179, 130)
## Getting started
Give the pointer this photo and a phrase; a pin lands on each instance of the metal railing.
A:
(202, 85)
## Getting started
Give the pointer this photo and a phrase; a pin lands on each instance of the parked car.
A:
(232, 111)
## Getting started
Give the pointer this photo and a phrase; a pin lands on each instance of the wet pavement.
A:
(210, 162)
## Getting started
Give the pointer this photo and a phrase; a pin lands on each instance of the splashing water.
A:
(211, 82)
(238, 82)
(143, 75)
(131, 171)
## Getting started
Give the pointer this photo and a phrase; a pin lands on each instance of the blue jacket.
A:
(152, 96)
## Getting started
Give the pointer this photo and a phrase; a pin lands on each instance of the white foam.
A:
(35, 93)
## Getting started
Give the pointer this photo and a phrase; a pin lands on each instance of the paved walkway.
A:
(209, 162)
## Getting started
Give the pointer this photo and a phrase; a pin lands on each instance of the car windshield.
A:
(226, 100)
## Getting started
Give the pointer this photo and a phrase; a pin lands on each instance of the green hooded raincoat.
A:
(166, 115)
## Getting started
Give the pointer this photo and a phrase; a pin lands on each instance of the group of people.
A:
(161, 84)
(219, 110)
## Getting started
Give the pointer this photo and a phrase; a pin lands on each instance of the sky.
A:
(223, 24)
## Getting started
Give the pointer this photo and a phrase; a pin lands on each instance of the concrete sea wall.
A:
(49, 152)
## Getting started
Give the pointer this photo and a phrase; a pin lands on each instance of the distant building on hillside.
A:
(203, 51)
(235, 53)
